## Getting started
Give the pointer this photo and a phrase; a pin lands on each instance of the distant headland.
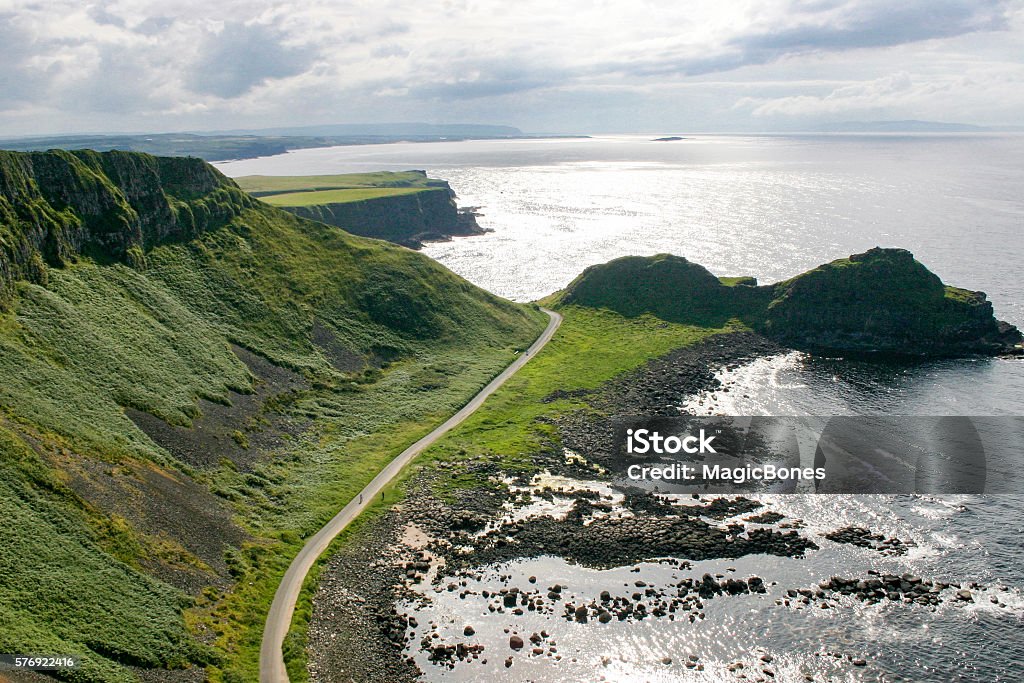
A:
(404, 207)
(249, 144)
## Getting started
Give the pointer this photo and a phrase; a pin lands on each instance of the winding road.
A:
(272, 668)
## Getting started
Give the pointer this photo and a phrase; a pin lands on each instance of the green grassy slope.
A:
(591, 347)
(123, 552)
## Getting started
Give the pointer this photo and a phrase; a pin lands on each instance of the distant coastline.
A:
(235, 145)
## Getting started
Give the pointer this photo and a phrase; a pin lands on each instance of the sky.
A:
(575, 66)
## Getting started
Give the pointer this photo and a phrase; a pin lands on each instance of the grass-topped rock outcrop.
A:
(880, 302)
(667, 286)
(884, 301)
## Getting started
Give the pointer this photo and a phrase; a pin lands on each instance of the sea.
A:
(768, 206)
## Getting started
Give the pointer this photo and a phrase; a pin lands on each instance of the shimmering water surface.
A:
(763, 206)
(769, 207)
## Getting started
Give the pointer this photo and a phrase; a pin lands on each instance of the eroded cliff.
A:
(408, 219)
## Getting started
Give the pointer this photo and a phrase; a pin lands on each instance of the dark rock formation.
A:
(884, 301)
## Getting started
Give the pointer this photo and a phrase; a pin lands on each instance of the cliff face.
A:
(409, 219)
(880, 302)
(112, 206)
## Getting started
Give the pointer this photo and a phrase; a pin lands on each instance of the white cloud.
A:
(147, 64)
(901, 95)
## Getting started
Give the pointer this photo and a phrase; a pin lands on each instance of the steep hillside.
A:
(57, 206)
(882, 301)
(191, 382)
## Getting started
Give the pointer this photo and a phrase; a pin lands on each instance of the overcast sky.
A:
(544, 66)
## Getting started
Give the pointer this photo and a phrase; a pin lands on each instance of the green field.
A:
(260, 185)
(317, 190)
(319, 197)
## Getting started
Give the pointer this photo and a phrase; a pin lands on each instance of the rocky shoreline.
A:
(372, 619)
(357, 633)
(375, 616)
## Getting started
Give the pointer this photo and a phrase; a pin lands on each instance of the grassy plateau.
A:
(314, 198)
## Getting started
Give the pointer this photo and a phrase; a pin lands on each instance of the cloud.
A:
(877, 94)
(476, 78)
(101, 15)
(898, 94)
(153, 64)
(389, 50)
(151, 26)
(844, 26)
(240, 56)
(15, 77)
(839, 26)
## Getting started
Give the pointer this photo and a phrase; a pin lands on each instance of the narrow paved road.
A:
(272, 669)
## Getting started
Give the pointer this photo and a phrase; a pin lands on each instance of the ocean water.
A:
(771, 207)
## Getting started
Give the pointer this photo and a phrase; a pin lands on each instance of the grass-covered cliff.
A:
(405, 207)
(58, 206)
(882, 301)
(192, 381)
